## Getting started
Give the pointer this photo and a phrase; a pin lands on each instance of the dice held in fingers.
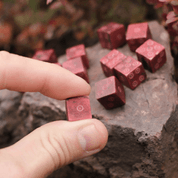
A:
(78, 108)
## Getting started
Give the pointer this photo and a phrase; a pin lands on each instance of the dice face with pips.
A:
(78, 51)
(46, 55)
(137, 34)
(130, 72)
(112, 35)
(76, 66)
(78, 108)
(110, 92)
(109, 61)
(152, 55)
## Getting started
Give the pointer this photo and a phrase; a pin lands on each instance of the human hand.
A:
(57, 143)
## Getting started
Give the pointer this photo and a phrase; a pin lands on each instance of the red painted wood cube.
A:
(76, 66)
(137, 34)
(109, 61)
(47, 55)
(112, 35)
(152, 55)
(110, 92)
(78, 108)
(130, 72)
(78, 51)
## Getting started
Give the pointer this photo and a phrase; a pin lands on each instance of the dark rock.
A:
(9, 119)
(143, 134)
(136, 131)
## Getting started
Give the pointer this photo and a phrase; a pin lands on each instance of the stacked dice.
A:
(112, 35)
(125, 69)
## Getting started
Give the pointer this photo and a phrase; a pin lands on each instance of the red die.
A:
(78, 51)
(78, 108)
(47, 55)
(137, 34)
(152, 55)
(110, 92)
(109, 61)
(130, 72)
(112, 35)
(76, 66)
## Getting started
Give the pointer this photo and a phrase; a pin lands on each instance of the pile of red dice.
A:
(119, 69)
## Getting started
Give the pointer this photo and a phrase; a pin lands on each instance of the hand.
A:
(57, 143)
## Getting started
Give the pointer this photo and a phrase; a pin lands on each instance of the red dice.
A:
(78, 51)
(137, 34)
(78, 108)
(130, 72)
(76, 66)
(110, 92)
(47, 55)
(152, 55)
(109, 61)
(112, 35)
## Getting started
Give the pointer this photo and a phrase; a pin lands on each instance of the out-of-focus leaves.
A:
(29, 17)
(33, 4)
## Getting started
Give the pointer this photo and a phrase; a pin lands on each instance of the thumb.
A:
(53, 146)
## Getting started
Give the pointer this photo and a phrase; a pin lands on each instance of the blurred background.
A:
(29, 25)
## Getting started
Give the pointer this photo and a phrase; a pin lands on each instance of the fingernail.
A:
(89, 138)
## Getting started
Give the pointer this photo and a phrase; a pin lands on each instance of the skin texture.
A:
(57, 143)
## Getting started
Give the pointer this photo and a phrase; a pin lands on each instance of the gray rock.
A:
(10, 122)
(143, 134)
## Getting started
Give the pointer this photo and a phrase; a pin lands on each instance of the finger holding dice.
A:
(28, 75)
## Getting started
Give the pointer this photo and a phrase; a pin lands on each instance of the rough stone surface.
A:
(143, 134)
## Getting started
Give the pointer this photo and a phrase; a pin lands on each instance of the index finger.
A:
(24, 74)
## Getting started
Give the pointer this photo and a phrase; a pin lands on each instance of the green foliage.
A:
(33, 4)
(34, 15)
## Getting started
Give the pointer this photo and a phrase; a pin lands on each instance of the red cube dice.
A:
(112, 35)
(47, 55)
(76, 66)
(78, 51)
(152, 55)
(110, 92)
(109, 61)
(130, 72)
(137, 34)
(78, 108)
